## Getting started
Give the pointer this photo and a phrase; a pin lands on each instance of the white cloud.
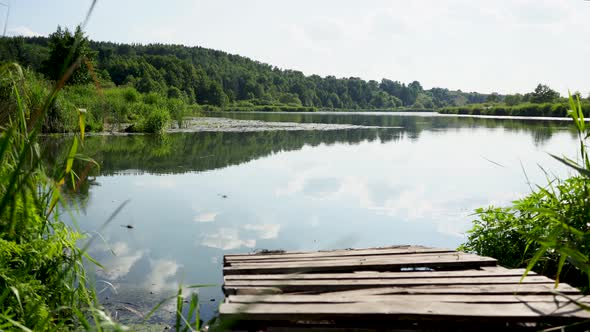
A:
(22, 31)
(162, 271)
(118, 265)
(205, 217)
(264, 231)
(227, 239)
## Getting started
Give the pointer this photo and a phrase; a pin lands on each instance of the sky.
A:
(504, 46)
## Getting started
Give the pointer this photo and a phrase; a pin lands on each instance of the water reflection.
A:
(185, 152)
(197, 196)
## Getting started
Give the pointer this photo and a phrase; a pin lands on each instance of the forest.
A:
(149, 85)
(198, 76)
(211, 77)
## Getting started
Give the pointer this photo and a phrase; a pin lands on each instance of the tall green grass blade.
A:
(17, 324)
(17, 295)
(71, 155)
(194, 310)
(562, 259)
(82, 122)
(179, 301)
(533, 262)
(157, 306)
(21, 111)
(570, 163)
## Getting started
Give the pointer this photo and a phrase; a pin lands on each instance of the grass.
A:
(547, 231)
(114, 108)
(43, 284)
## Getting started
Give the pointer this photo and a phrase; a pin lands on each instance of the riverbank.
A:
(555, 110)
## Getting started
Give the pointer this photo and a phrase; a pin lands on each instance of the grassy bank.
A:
(240, 107)
(43, 285)
(526, 109)
(43, 282)
(268, 108)
(105, 107)
(546, 231)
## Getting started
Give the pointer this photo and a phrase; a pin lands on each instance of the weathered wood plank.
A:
(442, 298)
(371, 285)
(539, 311)
(337, 260)
(524, 289)
(382, 275)
(337, 253)
(398, 247)
(438, 289)
(343, 284)
(498, 268)
(390, 263)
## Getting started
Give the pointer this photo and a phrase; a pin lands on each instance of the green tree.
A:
(512, 100)
(494, 97)
(544, 94)
(67, 50)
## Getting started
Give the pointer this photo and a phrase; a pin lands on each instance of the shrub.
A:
(130, 95)
(177, 110)
(514, 234)
(152, 98)
(549, 230)
(42, 280)
(155, 121)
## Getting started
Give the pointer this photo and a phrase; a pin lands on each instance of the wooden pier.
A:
(393, 289)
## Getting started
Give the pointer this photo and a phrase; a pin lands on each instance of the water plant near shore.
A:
(43, 284)
(547, 231)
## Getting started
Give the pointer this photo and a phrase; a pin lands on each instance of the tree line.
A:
(210, 77)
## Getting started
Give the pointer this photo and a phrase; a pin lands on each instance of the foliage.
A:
(547, 231)
(221, 81)
(525, 109)
(514, 99)
(155, 120)
(67, 51)
(544, 94)
(270, 108)
(209, 77)
(43, 285)
(514, 235)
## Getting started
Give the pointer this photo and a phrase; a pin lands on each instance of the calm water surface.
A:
(194, 197)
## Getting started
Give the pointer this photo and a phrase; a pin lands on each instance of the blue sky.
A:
(504, 46)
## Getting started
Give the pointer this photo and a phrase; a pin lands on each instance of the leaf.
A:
(21, 111)
(560, 264)
(94, 261)
(572, 164)
(581, 114)
(533, 261)
(82, 122)
(17, 324)
(194, 310)
(71, 155)
(158, 306)
(202, 286)
(15, 292)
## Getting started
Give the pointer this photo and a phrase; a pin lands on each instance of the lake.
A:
(193, 197)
